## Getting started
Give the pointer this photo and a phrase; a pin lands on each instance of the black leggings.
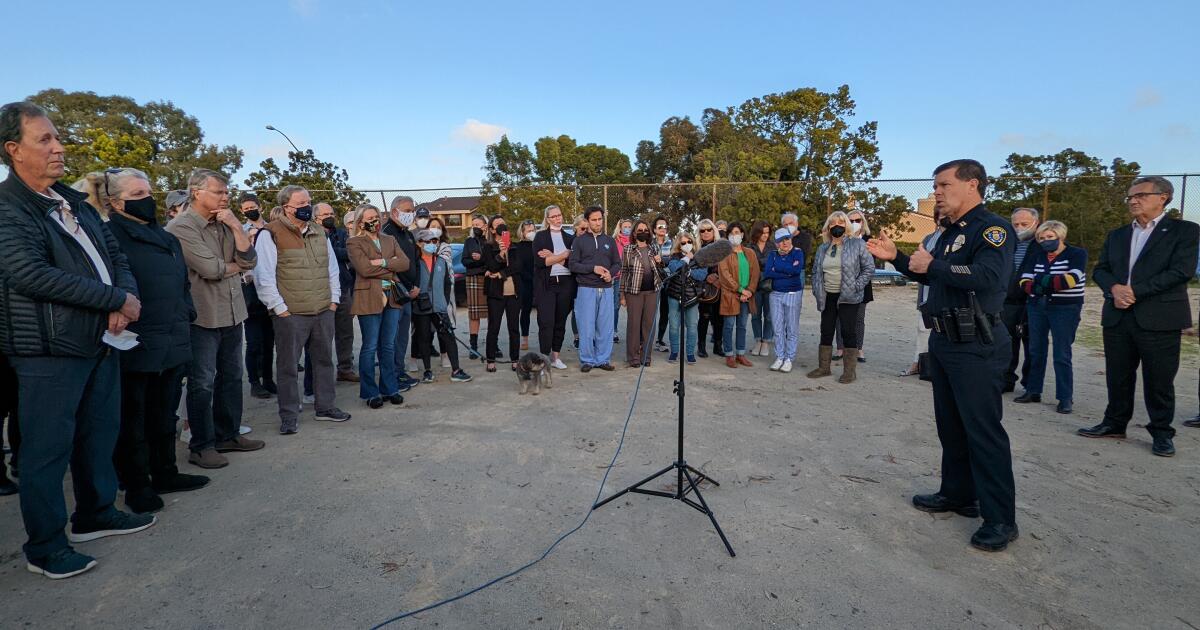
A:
(509, 307)
(845, 315)
(526, 307)
(554, 303)
(710, 314)
(422, 341)
(663, 310)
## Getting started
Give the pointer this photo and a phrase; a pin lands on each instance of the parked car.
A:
(460, 275)
(889, 276)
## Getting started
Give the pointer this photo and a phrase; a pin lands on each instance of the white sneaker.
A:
(185, 436)
(244, 429)
(446, 360)
(765, 351)
(776, 365)
(308, 400)
(558, 364)
(787, 366)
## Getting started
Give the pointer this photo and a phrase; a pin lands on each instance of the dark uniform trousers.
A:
(968, 407)
(1125, 346)
(1015, 316)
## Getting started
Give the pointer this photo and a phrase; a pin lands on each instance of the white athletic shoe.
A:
(558, 364)
(308, 399)
(776, 365)
(787, 366)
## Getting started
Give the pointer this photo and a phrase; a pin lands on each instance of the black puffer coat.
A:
(52, 301)
(163, 329)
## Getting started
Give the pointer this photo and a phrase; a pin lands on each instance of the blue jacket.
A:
(785, 271)
(676, 261)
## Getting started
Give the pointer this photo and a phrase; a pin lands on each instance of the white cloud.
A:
(477, 132)
(1177, 131)
(303, 8)
(1146, 98)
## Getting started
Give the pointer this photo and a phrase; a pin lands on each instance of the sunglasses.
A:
(705, 230)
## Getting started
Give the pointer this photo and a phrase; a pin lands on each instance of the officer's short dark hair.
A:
(248, 197)
(12, 116)
(590, 210)
(965, 171)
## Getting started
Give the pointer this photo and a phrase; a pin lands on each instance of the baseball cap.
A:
(176, 197)
(782, 234)
(422, 213)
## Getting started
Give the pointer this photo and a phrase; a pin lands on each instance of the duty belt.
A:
(938, 323)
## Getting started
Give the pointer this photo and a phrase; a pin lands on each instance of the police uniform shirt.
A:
(975, 253)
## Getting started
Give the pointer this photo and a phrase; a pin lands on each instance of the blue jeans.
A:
(616, 303)
(739, 321)
(378, 338)
(214, 386)
(594, 310)
(403, 325)
(691, 316)
(1061, 321)
(73, 417)
(760, 321)
(785, 311)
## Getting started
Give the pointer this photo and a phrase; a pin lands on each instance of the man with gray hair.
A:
(65, 291)
(403, 213)
(216, 252)
(1024, 222)
(299, 281)
(801, 239)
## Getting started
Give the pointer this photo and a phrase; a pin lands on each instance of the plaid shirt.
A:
(633, 264)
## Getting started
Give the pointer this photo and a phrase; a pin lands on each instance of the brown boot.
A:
(730, 361)
(240, 443)
(347, 376)
(208, 458)
(849, 366)
(742, 360)
(824, 355)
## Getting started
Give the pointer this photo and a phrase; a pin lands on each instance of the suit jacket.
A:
(541, 271)
(369, 298)
(727, 275)
(1159, 278)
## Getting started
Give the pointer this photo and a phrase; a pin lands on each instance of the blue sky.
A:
(406, 95)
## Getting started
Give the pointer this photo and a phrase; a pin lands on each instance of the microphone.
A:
(712, 254)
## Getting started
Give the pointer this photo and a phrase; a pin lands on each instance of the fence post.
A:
(605, 208)
(1046, 200)
(1183, 198)
(714, 203)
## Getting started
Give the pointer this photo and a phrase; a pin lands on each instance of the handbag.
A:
(423, 303)
(712, 290)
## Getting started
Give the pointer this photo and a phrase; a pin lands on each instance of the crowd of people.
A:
(109, 315)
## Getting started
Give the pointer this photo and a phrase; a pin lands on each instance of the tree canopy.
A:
(325, 181)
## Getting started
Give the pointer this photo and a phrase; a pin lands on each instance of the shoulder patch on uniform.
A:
(995, 235)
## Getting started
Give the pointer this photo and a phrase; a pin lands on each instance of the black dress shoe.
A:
(1102, 431)
(375, 402)
(1009, 387)
(585, 368)
(258, 391)
(1064, 406)
(1163, 446)
(937, 503)
(7, 487)
(719, 353)
(1194, 422)
(396, 399)
(1028, 398)
(994, 536)
(700, 352)
(607, 367)
(179, 482)
(143, 500)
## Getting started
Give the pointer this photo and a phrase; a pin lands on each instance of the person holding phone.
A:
(502, 289)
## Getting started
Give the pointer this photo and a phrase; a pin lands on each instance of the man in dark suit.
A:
(1144, 269)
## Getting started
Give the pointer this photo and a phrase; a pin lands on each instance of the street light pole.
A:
(285, 137)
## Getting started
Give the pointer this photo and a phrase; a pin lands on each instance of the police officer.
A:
(967, 274)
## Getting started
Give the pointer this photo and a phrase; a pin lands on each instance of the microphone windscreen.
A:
(713, 253)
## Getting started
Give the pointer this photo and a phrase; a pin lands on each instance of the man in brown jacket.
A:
(216, 252)
(299, 281)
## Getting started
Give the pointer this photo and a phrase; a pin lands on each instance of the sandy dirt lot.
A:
(342, 526)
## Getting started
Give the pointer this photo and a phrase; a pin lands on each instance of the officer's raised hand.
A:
(882, 247)
(919, 261)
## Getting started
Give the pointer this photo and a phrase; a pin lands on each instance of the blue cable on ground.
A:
(600, 491)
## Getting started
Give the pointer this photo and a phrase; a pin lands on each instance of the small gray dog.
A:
(533, 369)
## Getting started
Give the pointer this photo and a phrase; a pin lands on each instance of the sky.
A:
(408, 95)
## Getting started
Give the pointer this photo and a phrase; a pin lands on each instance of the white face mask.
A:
(436, 233)
(791, 229)
(686, 248)
(422, 222)
(406, 218)
(735, 239)
(855, 228)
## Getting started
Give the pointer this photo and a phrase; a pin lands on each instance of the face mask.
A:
(1024, 235)
(837, 231)
(529, 235)
(436, 232)
(643, 237)
(304, 213)
(791, 229)
(144, 208)
(735, 240)
(406, 218)
(328, 223)
(855, 228)
(1050, 245)
(477, 232)
(371, 226)
(686, 248)
(422, 223)
(626, 231)
(253, 215)
(429, 248)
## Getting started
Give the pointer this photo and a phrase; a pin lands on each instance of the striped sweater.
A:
(1061, 279)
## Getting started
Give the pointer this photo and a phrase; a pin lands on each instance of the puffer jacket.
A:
(858, 267)
(52, 301)
(164, 328)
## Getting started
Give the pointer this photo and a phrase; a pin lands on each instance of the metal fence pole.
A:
(1183, 198)
(714, 203)
(1046, 200)
(606, 208)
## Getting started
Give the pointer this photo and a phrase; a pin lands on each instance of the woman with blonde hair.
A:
(842, 269)
(710, 312)
(376, 258)
(680, 319)
(92, 184)
(858, 228)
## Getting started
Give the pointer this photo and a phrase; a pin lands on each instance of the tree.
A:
(324, 181)
(115, 131)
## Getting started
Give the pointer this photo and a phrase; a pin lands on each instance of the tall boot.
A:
(824, 355)
(849, 365)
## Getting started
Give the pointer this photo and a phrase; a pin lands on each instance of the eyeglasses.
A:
(856, 221)
(660, 227)
(705, 230)
(1140, 196)
(432, 240)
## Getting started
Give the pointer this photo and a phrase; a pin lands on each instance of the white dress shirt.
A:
(81, 237)
(264, 272)
(1138, 242)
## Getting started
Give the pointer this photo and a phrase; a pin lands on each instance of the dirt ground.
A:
(343, 526)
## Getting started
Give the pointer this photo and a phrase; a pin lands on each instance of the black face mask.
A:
(501, 230)
(370, 226)
(145, 209)
(837, 231)
(477, 233)
(328, 223)
(722, 233)
(643, 237)
(304, 213)
(253, 215)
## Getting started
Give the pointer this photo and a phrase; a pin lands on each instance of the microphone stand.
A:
(687, 478)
